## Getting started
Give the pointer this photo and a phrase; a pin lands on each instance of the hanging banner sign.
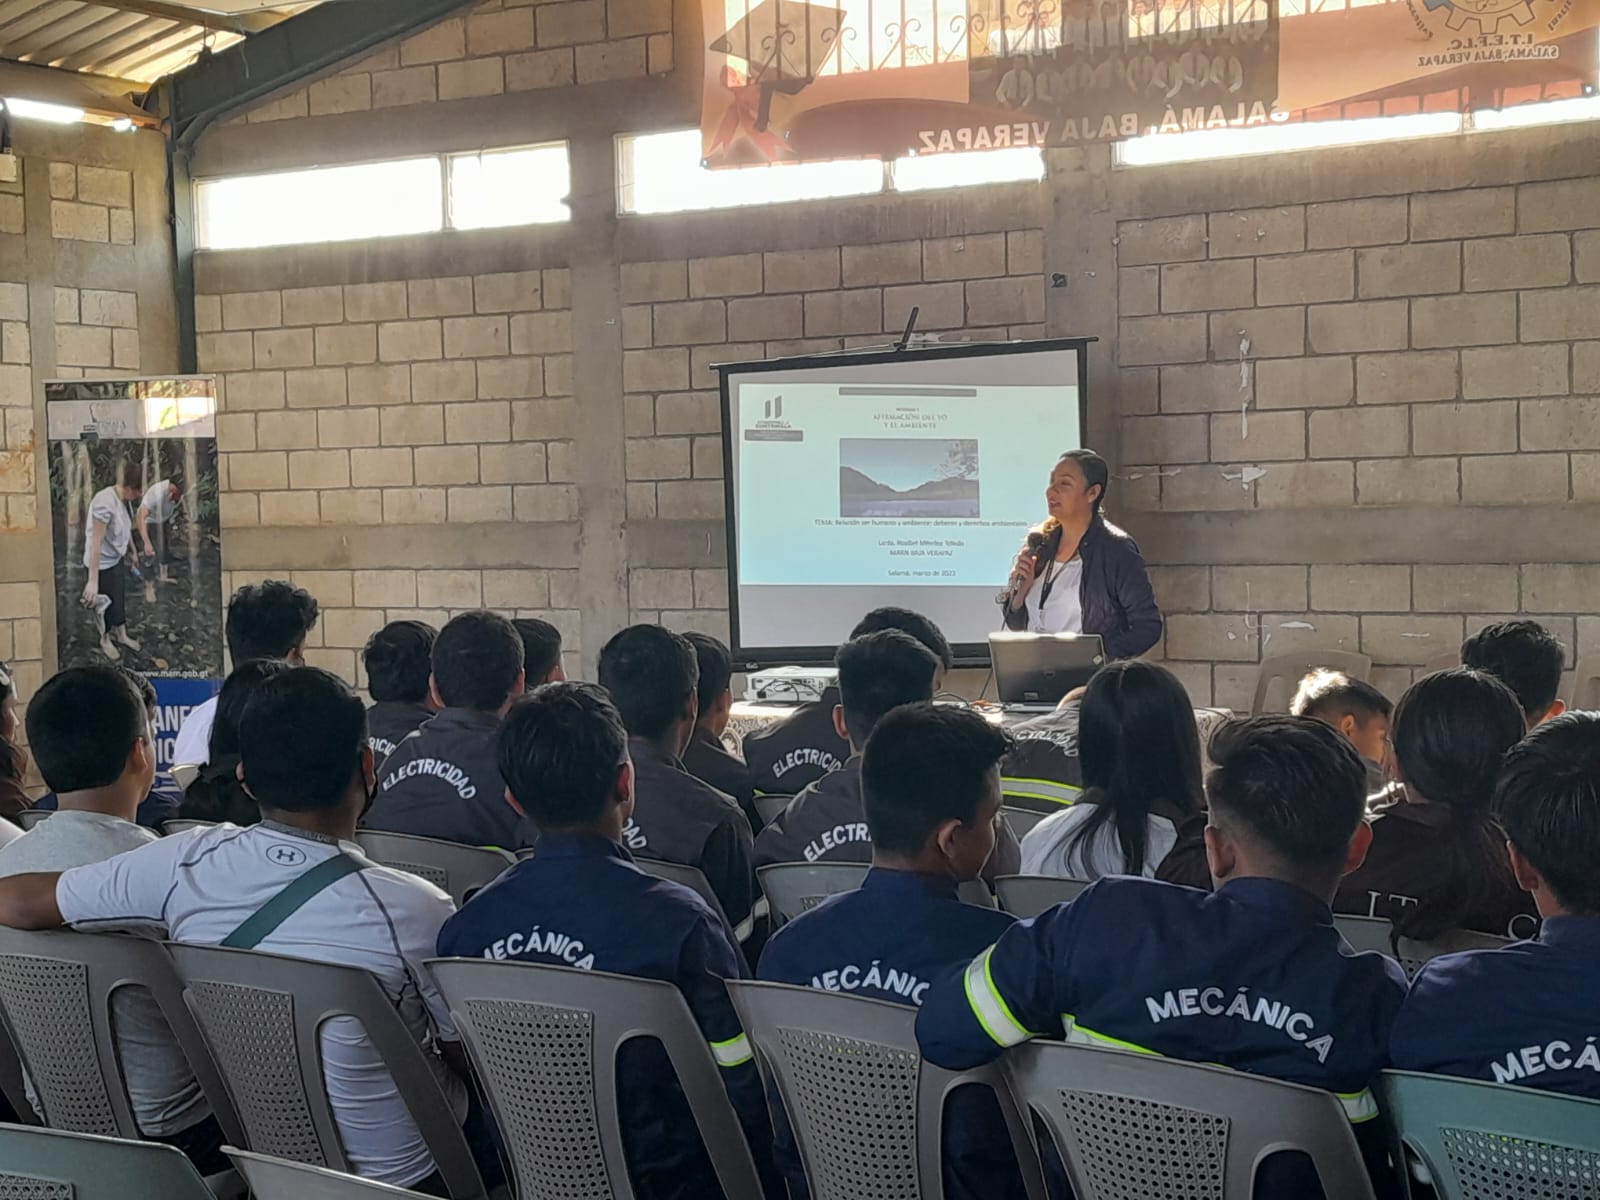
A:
(138, 547)
(787, 81)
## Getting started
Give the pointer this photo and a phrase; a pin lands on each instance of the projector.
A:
(789, 685)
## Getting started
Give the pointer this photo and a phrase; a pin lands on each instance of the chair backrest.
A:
(1366, 933)
(768, 807)
(1585, 683)
(30, 817)
(12, 1089)
(695, 880)
(278, 1179)
(866, 1110)
(1414, 954)
(183, 825)
(1021, 820)
(51, 1164)
(183, 774)
(262, 1015)
(1025, 896)
(449, 866)
(545, 1042)
(1131, 1124)
(794, 888)
(1282, 673)
(56, 996)
(1488, 1141)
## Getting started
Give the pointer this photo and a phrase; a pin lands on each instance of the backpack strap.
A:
(295, 895)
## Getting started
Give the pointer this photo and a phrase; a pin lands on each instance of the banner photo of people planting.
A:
(138, 547)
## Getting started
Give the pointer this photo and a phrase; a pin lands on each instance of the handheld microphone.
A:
(1018, 579)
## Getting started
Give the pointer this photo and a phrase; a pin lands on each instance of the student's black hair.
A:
(1548, 801)
(878, 672)
(146, 689)
(398, 659)
(651, 673)
(907, 621)
(231, 700)
(1293, 783)
(1451, 731)
(925, 764)
(301, 740)
(82, 724)
(12, 764)
(1138, 747)
(715, 661)
(476, 660)
(559, 749)
(541, 647)
(1523, 655)
(268, 620)
(1330, 695)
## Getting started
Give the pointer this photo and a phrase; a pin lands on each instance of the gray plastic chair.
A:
(1414, 954)
(1021, 820)
(1366, 933)
(1138, 1125)
(50, 1164)
(1025, 896)
(449, 866)
(56, 991)
(795, 888)
(183, 825)
(768, 807)
(695, 880)
(866, 1110)
(1488, 1141)
(1289, 669)
(30, 817)
(261, 1015)
(276, 1179)
(545, 1042)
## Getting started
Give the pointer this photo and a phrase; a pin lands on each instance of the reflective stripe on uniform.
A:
(989, 1006)
(1040, 789)
(732, 1053)
(1358, 1106)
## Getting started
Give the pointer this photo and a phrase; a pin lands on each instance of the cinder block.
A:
(1138, 291)
(1182, 589)
(975, 256)
(1363, 432)
(1305, 382)
(1560, 587)
(1475, 587)
(1018, 299)
(1025, 252)
(689, 323)
(601, 62)
(412, 425)
(1256, 333)
(313, 306)
(1360, 587)
(1560, 315)
(409, 341)
(1369, 325)
(70, 221)
(887, 262)
(1384, 482)
(449, 297)
(1471, 213)
(258, 471)
(386, 467)
(345, 427)
(727, 275)
(540, 69)
(375, 301)
(440, 466)
(447, 381)
(1515, 479)
(215, 351)
(1198, 286)
(1165, 339)
(539, 419)
(321, 387)
(410, 85)
(449, 589)
(1210, 387)
(345, 345)
(1252, 589)
(690, 500)
(1489, 428)
(286, 430)
(501, 32)
(512, 462)
(290, 508)
(1564, 424)
(655, 370)
(516, 589)
(545, 502)
(1530, 261)
(571, 24)
(1258, 437)
(476, 337)
(1586, 257)
(1406, 377)
(1206, 489)
(1162, 240)
(1415, 270)
(1306, 278)
(1138, 390)
(1495, 371)
(510, 378)
(509, 291)
(1409, 639)
(1246, 233)
(438, 43)
(657, 458)
(1373, 222)
(311, 469)
(1484, 318)
(481, 421)
(385, 589)
(1214, 637)
(283, 348)
(1559, 205)
(340, 94)
(943, 306)
(826, 313)
(253, 390)
(1307, 485)
(1162, 440)
(650, 588)
(804, 270)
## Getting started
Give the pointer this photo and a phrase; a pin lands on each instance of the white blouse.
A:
(1063, 611)
(1045, 849)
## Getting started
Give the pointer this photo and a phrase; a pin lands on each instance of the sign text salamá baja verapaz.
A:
(1073, 131)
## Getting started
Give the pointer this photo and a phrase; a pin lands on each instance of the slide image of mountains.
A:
(908, 477)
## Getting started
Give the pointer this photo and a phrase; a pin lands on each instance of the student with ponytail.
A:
(1438, 858)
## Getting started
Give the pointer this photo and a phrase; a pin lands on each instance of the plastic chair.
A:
(449, 866)
(50, 1164)
(56, 993)
(261, 1015)
(1586, 683)
(29, 817)
(276, 1179)
(1021, 820)
(1025, 896)
(11, 1084)
(1140, 1125)
(183, 825)
(695, 880)
(545, 1042)
(768, 807)
(1486, 1141)
(1366, 933)
(1414, 954)
(1290, 669)
(867, 1111)
(183, 774)
(794, 888)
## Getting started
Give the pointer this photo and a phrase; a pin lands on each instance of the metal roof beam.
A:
(241, 23)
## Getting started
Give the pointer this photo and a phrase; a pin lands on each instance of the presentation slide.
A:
(909, 482)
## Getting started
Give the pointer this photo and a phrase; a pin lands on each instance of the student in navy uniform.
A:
(931, 786)
(653, 677)
(792, 754)
(706, 757)
(399, 662)
(1438, 859)
(827, 821)
(1526, 1014)
(1253, 976)
(541, 651)
(442, 781)
(1042, 771)
(1356, 709)
(581, 902)
(1527, 658)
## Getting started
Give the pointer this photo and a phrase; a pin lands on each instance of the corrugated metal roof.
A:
(136, 40)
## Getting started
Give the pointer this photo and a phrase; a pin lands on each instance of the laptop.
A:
(1035, 670)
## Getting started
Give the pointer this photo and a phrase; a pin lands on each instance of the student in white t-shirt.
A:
(303, 742)
(271, 619)
(1142, 789)
(107, 536)
(91, 738)
(161, 502)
